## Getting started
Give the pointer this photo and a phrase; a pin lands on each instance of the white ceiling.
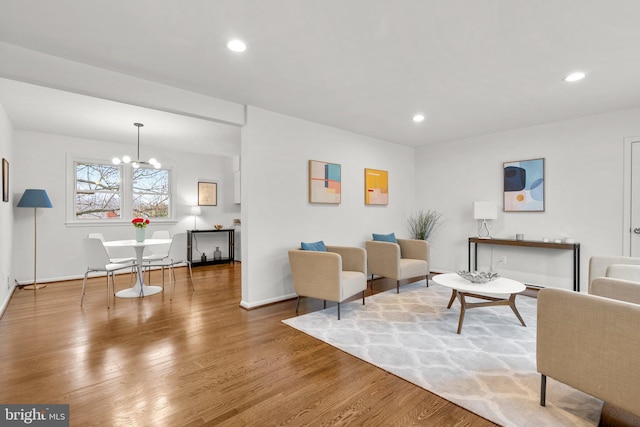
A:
(471, 67)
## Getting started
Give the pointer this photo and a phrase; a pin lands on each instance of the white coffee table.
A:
(487, 291)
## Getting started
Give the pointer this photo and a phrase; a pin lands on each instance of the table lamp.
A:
(484, 211)
(33, 198)
(195, 211)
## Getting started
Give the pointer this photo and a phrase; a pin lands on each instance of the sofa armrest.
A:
(598, 264)
(618, 289)
(316, 274)
(590, 343)
(383, 258)
(414, 249)
(353, 258)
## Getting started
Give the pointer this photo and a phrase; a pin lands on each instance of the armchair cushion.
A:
(314, 246)
(391, 237)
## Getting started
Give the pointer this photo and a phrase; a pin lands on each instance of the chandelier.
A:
(136, 163)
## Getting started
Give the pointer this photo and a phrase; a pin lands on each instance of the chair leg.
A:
(325, 303)
(172, 282)
(193, 288)
(362, 297)
(398, 286)
(84, 286)
(338, 311)
(109, 296)
(543, 390)
(298, 304)
(427, 279)
(371, 283)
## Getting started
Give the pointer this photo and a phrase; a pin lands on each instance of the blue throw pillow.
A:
(315, 246)
(385, 237)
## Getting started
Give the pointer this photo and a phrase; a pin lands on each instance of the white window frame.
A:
(126, 208)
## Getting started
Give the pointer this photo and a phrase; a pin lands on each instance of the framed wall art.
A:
(5, 180)
(524, 186)
(376, 187)
(325, 185)
(207, 194)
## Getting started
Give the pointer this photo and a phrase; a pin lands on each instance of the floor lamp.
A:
(34, 199)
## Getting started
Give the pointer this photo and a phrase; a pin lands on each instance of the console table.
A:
(575, 247)
(191, 234)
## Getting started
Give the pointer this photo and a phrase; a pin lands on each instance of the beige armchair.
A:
(590, 343)
(334, 275)
(615, 277)
(408, 259)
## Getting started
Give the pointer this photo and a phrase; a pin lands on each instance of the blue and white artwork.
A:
(524, 186)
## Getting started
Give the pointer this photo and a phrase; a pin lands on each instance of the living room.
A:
(586, 151)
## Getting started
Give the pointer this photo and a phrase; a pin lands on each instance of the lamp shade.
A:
(485, 210)
(195, 210)
(33, 198)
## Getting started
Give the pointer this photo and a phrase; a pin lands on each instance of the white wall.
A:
(276, 214)
(40, 161)
(6, 212)
(583, 191)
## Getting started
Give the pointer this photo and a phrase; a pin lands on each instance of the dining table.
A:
(140, 289)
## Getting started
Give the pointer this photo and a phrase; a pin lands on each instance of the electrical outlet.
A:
(502, 259)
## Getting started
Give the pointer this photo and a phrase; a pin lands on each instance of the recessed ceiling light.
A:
(237, 45)
(418, 118)
(574, 77)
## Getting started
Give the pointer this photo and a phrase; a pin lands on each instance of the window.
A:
(104, 192)
(151, 192)
(98, 191)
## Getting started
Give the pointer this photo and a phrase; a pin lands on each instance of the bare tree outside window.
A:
(151, 196)
(98, 191)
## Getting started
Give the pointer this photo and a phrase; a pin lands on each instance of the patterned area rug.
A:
(489, 369)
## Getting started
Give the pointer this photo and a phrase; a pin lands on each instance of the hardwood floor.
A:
(197, 360)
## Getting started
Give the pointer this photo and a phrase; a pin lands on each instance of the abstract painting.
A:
(524, 186)
(324, 182)
(376, 187)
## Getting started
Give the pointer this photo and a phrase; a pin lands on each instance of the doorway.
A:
(631, 223)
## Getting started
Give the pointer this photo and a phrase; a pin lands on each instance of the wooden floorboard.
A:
(200, 359)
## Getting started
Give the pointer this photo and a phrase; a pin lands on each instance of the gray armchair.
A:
(334, 275)
(407, 259)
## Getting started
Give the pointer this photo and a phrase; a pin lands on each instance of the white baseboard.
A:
(249, 306)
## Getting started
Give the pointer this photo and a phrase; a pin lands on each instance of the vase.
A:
(140, 234)
(217, 255)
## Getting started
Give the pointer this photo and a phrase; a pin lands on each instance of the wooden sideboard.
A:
(575, 247)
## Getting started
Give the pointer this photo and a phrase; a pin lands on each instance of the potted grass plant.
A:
(422, 224)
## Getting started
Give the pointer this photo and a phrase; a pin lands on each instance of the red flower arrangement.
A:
(140, 222)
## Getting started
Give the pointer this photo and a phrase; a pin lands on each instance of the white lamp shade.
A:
(195, 210)
(485, 210)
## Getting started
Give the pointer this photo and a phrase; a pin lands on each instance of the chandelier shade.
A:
(137, 162)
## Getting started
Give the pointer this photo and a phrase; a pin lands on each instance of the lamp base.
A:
(483, 231)
(33, 287)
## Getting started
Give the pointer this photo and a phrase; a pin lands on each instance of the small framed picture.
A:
(207, 194)
(5, 180)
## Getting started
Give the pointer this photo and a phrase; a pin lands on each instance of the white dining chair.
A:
(177, 255)
(114, 260)
(157, 252)
(98, 260)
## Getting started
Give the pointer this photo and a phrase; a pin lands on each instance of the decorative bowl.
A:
(477, 276)
(218, 226)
